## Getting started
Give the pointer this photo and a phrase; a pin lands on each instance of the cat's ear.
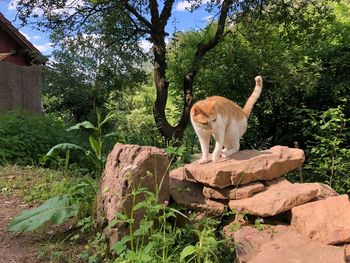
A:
(196, 110)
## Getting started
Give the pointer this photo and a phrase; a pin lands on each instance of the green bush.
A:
(25, 138)
(328, 152)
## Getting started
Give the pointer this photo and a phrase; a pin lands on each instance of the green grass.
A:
(33, 184)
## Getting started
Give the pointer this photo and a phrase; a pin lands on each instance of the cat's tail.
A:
(247, 109)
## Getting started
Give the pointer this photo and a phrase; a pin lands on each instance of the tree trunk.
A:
(169, 132)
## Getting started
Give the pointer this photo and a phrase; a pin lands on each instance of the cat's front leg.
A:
(204, 140)
(219, 143)
(234, 148)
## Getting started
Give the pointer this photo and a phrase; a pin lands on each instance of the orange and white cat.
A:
(223, 119)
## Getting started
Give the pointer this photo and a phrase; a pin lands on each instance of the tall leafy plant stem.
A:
(66, 162)
(131, 228)
(159, 187)
(164, 233)
(332, 164)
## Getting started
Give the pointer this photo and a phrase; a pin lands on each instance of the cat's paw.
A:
(203, 161)
(216, 158)
(225, 155)
(224, 151)
(228, 153)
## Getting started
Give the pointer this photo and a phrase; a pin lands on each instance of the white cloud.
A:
(145, 45)
(25, 35)
(208, 19)
(185, 5)
(36, 37)
(167, 40)
(12, 5)
(44, 48)
(70, 7)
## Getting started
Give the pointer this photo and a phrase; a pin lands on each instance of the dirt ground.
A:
(37, 246)
(15, 248)
(49, 243)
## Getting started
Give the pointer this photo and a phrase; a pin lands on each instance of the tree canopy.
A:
(126, 22)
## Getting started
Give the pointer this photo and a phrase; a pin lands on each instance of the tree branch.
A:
(142, 19)
(203, 48)
(166, 12)
(153, 6)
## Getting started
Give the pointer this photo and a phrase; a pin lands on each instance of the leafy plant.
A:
(259, 224)
(55, 210)
(77, 202)
(329, 152)
(179, 155)
(95, 152)
(207, 247)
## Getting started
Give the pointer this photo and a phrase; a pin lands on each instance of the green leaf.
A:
(63, 147)
(180, 213)
(84, 124)
(108, 117)
(189, 250)
(140, 205)
(143, 228)
(120, 246)
(56, 210)
(95, 146)
(110, 134)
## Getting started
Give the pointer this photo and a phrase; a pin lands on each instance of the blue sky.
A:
(181, 20)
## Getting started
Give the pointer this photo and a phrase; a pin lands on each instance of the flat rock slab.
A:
(278, 198)
(246, 166)
(234, 192)
(327, 221)
(190, 194)
(282, 244)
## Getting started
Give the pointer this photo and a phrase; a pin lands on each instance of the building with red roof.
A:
(14, 47)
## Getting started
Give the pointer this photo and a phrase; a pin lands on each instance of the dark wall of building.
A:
(8, 44)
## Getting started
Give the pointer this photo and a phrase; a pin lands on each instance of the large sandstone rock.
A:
(347, 253)
(129, 167)
(327, 221)
(325, 191)
(234, 192)
(280, 181)
(278, 197)
(246, 166)
(190, 194)
(282, 244)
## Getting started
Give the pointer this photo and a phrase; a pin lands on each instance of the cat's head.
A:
(204, 114)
